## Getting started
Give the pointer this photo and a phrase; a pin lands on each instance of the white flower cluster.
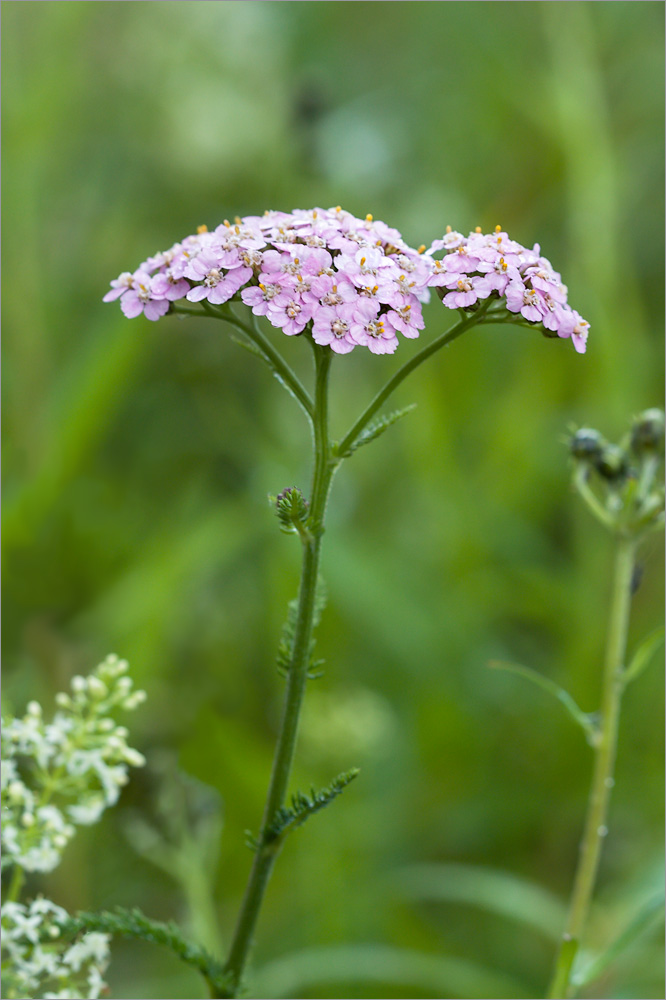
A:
(57, 775)
(39, 965)
(60, 774)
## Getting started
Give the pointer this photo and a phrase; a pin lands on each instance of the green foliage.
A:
(585, 720)
(643, 655)
(132, 923)
(286, 645)
(644, 918)
(137, 456)
(377, 427)
(376, 967)
(303, 806)
(497, 892)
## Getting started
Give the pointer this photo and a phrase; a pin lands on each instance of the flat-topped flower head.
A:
(312, 271)
(491, 265)
(299, 269)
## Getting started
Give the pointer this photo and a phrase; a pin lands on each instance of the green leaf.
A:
(303, 806)
(641, 658)
(134, 924)
(435, 975)
(585, 721)
(490, 889)
(286, 646)
(645, 916)
(376, 428)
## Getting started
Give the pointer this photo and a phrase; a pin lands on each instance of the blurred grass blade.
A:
(577, 714)
(641, 658)
(641, 922)
(440, 975)
(498, 892)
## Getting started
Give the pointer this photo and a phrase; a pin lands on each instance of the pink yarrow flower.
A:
(217, 285)
(369, 329)
(348, 281)
(138, 299)
(492, 264)
(332, 326)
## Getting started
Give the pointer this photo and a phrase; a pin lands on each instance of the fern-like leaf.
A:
(303, 806)
(135, 924)
(376, 428)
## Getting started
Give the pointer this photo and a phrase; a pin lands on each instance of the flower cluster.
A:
(481, 265)
(355, 280)
(60, 774)
(351, 282)
(38, 964)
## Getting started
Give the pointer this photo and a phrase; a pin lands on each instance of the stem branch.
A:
(445, 338)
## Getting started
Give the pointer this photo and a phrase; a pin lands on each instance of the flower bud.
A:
(133, 757)
(586, 443)
(97, 687)
(135, 699)
(292, 509)
(612, 463)
(648, 431)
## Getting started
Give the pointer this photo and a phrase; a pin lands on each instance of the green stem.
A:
(15, 885)
(445, 338)
(595, 829)
(324, 468)
(596, 507)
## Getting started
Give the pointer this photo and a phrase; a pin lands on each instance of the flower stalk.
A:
(595, 830)
(342, 283)
(267, 849)
(618, 484)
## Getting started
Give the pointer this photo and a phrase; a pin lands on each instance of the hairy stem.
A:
(562, 985)
(324, 468)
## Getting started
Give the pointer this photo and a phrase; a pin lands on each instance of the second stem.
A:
(563, 985)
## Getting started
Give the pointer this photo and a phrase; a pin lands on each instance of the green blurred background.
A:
(138, 458)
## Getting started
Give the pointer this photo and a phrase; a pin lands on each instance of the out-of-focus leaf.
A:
(645, 916)
(641, 658)
(496, 891)
(584, 720)
(442, 975)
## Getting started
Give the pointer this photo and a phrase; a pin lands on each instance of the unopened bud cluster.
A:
(625, 474)
(60, 774)
(292, 510)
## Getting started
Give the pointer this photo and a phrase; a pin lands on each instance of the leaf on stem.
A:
(641, 658)
(135, 924)
(376, 428)
(585, 721)
(286, 647)
(647, 913)
(304, 806)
